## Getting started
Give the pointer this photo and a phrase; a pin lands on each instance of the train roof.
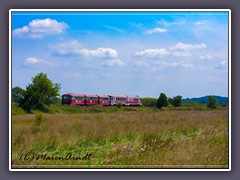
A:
(134, 96)
(103, 96)
(91, 95)
(73, 94)
(117, 95)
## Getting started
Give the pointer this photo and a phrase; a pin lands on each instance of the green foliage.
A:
(170, 100)
(193, 106)
(212, 102)
(162, 101)
(119, 105)
(57, 100)
(40, 92)
(176, 101)
(17, 94)
(149, 102)
(16, 110)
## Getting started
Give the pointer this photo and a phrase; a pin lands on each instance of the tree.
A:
(162, 101)
(170, 100)
(212, 102)
(40, 92)
(17, 94)
(176, 101)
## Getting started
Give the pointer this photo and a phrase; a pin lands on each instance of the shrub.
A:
(119, 105)
(162, 101)
(149, 102)
(176, 101)
(212, 102)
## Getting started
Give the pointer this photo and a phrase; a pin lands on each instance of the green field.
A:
(121, 138)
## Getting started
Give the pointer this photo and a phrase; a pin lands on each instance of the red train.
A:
(105, 100)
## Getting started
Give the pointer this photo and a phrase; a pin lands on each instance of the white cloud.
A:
(205, 57)
(115, 62)
(32, 61)
(202, 22)
(99, 52)
(39, 28)
(74, 47)
(222, 65)
(156, 30)
(182, 46)
(162, 64)
(179, 50)
(173, 64)
(171, 23)
(151, 53)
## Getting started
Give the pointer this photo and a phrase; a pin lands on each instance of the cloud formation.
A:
(39, 28)
(178, 50)
(207, 56)
(202, 22)
(152, 53)
(166, 23)
(154, 65)
(32, 60)
(182, 46)
(115, 62)
(156, 30)
(223, 65)
(73, 47)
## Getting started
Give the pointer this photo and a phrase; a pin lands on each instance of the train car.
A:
(115, 99)
(134, 101)
(103, 100)
(91, 99)
(73, 99)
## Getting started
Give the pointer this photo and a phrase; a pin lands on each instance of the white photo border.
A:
(120, 10)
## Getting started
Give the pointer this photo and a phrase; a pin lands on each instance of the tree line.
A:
(176, 101)
(42, 91)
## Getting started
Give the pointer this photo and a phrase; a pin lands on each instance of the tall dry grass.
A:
(163, 139)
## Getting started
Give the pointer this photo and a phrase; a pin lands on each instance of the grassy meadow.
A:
(124, 137)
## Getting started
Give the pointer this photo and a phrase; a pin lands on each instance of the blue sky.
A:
(134, 53)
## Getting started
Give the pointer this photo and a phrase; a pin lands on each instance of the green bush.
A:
(162, 101)
(16, 110)
(212, 102)
(119, 105)
(149, 102)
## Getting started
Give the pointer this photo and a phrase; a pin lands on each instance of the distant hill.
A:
(204, 99)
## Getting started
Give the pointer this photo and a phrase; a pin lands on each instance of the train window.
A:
(79, 97)
(105, 99)
(91, 98)
(66, 97)
(121, 99)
